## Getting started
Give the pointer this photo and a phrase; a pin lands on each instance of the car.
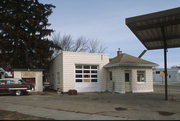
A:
(14, 86)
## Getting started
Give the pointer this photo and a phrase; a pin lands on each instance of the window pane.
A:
(157, 72)
(78, 71)
(86, 67)
(93, 71)
(94, 80)
(87, 80)
(78, 76)
(78, 66)
(93, 67)
(86, 71)
(78, 80)
(94, 76)
(86, 76)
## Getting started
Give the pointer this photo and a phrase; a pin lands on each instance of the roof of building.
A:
(28, 69)
(124, 60)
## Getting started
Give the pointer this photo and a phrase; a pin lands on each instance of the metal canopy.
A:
(160, 30)
(149, 28)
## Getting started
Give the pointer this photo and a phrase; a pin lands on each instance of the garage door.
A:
(86, 78)
(30, 81)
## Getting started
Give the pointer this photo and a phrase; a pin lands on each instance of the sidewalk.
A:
(54, 114)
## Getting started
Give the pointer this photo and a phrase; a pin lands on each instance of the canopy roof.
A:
(155, 28)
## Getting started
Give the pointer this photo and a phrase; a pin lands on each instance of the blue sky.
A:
(104, 20)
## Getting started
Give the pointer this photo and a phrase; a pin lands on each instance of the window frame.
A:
(88, 75)
(144, 73)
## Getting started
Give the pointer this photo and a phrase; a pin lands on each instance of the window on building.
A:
(86, 73)
(141, 76)
(78, 66)
(110, 75)
(157, 72)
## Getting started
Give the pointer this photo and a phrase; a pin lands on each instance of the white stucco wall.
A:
(142, 86)
(119, 80)
(39, 81)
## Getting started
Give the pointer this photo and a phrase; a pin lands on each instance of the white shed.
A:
(32, 76)
(127, 73)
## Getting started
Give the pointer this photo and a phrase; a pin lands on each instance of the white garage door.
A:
(86, 78)
(87, 87)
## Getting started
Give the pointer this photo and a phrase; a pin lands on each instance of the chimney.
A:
(119, 52)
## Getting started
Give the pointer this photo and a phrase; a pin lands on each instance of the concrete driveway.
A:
(99, 106)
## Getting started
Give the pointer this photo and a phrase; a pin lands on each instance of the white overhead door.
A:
(86, 78)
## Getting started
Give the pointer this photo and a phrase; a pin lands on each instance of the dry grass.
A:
(13, 115)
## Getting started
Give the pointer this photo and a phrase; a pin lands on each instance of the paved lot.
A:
(103, 106)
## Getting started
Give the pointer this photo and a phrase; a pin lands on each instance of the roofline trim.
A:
(130, 64)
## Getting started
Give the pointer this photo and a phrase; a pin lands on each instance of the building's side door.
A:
(127, 76)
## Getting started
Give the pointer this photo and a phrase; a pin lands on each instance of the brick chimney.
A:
(119, 52)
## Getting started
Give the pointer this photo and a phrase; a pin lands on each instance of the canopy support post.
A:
(165, 62)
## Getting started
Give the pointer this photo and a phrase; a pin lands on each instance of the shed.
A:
(31, 76)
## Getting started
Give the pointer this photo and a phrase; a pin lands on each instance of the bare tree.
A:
(80, 45)
(55, 39)
(66, 43)
(96, 47)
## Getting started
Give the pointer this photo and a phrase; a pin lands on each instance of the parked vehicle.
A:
(14, 86)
